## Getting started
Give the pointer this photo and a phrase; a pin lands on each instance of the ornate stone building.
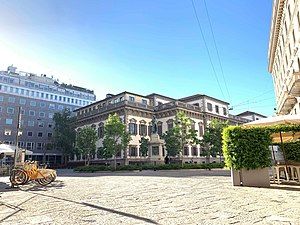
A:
(284, 55)
(136, 111)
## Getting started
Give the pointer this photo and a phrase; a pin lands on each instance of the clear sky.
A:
(144, 46)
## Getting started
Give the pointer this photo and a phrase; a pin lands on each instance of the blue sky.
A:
(144, 46)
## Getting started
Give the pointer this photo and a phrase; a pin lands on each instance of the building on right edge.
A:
(283, 55)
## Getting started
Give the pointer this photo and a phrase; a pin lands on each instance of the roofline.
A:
(163, 96)
(274, 30)
(105, 99)
(250, 112)
(201, 95)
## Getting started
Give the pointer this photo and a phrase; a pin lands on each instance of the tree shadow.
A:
(99, 208)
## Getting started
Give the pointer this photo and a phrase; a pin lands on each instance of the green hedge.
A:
(292, 151)
(178, 166)
(247, 147)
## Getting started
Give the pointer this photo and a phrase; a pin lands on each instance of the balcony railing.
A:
(113, 106)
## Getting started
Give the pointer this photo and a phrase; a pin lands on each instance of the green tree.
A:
(116, 137)
(86, 142)
(184, 132)
(64, 133)
(212, 139)
(172, 143)
(144, 146)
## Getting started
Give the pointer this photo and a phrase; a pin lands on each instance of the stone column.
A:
(75, 157)
(137, 151)
(198, 151)
(189, 151)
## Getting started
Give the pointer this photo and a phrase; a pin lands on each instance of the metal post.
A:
(283, 152)
(17, 136)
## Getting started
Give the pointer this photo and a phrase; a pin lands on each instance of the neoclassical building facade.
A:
(137, 111)
(284, 55)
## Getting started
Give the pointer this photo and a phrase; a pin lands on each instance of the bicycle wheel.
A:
(18, 177)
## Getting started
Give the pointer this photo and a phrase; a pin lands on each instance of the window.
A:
(11, 99)
(40, 124)
(186, 150)
(22, 111)
(8, 121)
(217, 108)
(39, 146)
(194, 151)
(209, 107)
(29, 145)
(31, 113)
(132, 128)
(41, 114)
(40, 134)
(224, 111)
(132, 151)
(60, 107)
(201, 130)
(22, 101)
(7, 132)
(131, 98)
(30, 123)
(49, 135)
(1, 98)
(144, 101)
(101, 130)
(170, 124)
(51, 106)
(143, 130)
(159, 128)
(29, 133)
(0, 108)
(10, 110)
(51, 115)
(50, 125)
(42, 104)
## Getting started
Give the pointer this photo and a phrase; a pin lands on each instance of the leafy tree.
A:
(86, 142)
(116, 137)
(184, 132)
(212, 139)
(144, 146)
(172, 143)
(64, 133)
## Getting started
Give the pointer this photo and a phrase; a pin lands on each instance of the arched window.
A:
(101, 130)
(132, 127)
(170, 124)
(143, 128)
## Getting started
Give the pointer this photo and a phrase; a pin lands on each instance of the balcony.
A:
(288, 97)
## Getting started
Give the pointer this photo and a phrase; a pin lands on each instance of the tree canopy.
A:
(64, 132)
(86, 142)
(116, 137)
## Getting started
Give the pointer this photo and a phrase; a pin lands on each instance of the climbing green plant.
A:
(247, 147)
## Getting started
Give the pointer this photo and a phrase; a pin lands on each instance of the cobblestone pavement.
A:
(148, 197)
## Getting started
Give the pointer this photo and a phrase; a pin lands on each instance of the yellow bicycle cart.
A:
(30, 172)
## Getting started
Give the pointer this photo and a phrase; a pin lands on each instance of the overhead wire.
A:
(216, 48)
(206, 47)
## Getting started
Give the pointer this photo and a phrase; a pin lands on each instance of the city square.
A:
(148, 197)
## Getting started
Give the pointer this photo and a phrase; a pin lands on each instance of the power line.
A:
(252, 103)
(206, 47)
(217, 51)
(246, 101)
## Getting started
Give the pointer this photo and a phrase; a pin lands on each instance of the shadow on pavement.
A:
(149, 173)
(99, 208)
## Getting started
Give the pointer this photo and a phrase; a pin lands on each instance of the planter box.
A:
(251, 178)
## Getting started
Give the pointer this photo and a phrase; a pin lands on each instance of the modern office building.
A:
(137, 111)
(38, 97)
(251, 115)
(284, 55)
